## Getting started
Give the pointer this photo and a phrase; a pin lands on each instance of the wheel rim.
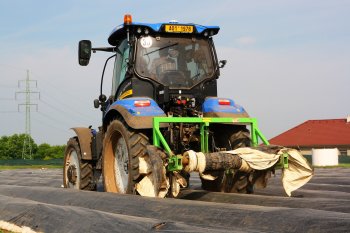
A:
(72, 170)
(121, 161)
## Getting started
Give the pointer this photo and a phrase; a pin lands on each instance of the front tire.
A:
(77, 174)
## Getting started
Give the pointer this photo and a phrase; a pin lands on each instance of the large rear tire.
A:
(77, 174)
(122, 148)
(230, 138)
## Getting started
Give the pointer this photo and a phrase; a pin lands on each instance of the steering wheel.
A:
(175, 78)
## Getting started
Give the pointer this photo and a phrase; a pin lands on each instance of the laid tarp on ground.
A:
(33, 198)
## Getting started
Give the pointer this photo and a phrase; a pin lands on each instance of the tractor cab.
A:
(163, 61)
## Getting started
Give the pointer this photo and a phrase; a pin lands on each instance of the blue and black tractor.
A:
(163, 103)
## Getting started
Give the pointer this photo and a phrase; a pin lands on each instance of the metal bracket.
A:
(204, 122)
(175, 163)
(283, 163)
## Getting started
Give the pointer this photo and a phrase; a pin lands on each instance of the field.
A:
(34, 198)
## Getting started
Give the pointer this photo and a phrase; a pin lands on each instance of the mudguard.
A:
(84, 138)
(135, 117)
(212, 108)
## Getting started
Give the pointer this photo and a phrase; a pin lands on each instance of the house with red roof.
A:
(317, 134)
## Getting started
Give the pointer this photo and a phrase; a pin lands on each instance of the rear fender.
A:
(135, 117)
(212, 108)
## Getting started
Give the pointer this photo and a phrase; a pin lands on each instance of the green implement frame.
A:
(175, 160)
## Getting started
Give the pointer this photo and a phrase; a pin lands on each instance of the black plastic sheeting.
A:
(34, 198)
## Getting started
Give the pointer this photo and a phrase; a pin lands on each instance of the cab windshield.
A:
(174, 62)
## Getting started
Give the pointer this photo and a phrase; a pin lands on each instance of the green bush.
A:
(11, 147)
(30, 162)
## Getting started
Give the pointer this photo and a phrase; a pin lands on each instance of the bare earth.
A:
(34, 198)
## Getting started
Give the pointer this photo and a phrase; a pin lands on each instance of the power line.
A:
(64, 108)
(51, 125)
(65, 105)
(65, 112)
(7, 86)
(15, 68)
(53, 119)
(74, 97)
(8, 111)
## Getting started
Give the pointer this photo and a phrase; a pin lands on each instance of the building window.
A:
(343, 152)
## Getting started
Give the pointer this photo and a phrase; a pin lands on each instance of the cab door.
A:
(120, 66)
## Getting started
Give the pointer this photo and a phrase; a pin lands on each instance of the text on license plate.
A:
(179, 28)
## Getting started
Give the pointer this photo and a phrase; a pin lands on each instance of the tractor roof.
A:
(172, 27)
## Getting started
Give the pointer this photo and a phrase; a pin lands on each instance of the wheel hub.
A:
(72, 174)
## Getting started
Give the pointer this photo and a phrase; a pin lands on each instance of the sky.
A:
(288, 60)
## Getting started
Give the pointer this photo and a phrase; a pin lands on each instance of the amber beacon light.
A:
(127, 19)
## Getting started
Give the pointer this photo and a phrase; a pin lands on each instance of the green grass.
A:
(12, 167)
(29, 163)
(5, 231)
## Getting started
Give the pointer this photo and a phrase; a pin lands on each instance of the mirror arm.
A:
(106, 49)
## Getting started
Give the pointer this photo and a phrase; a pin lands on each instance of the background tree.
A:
(3, 147)
(11, 147)
(45, 151)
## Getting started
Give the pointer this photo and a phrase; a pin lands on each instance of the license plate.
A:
(178, 28)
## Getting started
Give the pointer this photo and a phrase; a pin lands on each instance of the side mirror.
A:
(222, 63)
(84, 52)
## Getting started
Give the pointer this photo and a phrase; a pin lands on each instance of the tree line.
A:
(11, 147)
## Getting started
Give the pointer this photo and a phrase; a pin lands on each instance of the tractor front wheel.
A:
(122, 148)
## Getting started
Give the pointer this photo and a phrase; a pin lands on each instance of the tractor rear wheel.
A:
(230, 138)
(77, 173)
(122, 147)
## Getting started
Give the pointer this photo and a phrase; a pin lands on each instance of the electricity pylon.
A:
(27, 144)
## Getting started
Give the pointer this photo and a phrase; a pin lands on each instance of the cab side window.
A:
(120, 65)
